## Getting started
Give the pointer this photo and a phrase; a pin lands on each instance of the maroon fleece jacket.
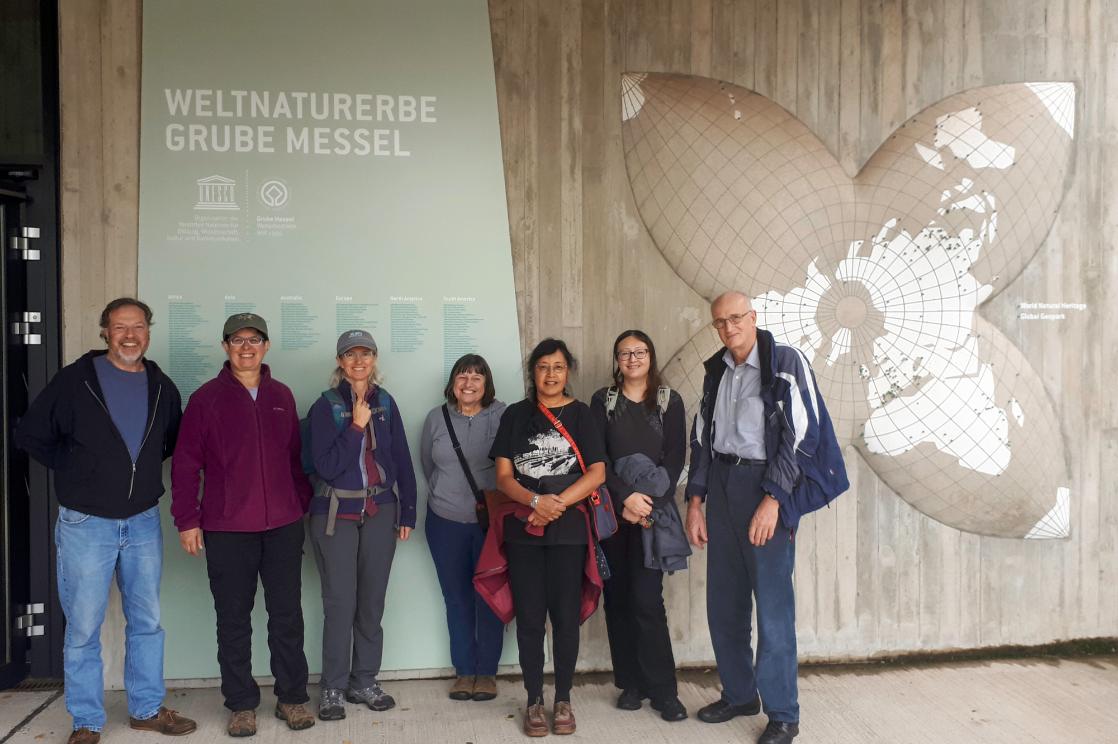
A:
(247, 454)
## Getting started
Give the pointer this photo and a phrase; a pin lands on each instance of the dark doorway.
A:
(30, 638)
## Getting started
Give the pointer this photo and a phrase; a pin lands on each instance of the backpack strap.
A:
(337, 407)
(611, 400)
(663, 397)
(383, 400)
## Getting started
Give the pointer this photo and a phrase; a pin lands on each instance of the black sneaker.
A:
(671, 709)
(629, 699)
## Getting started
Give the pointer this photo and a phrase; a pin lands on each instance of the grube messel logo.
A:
(274, 193)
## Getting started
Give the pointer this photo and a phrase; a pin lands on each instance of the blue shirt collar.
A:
(753, 360)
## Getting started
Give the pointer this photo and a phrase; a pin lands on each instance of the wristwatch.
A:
(535, 500)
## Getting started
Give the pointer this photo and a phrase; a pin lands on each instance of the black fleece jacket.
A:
(68, 429)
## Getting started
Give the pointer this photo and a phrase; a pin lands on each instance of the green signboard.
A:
(328, 165)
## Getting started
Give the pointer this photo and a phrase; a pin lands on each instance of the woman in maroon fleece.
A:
(241, 432)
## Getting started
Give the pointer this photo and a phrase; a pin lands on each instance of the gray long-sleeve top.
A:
(448, 491)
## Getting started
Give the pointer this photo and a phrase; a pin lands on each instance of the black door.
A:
(30, 621)
(22, 619)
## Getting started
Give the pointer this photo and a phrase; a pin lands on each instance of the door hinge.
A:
(21, 328)
(20, 244)
(29, 620)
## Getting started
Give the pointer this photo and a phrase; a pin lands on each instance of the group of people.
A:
(517, 499)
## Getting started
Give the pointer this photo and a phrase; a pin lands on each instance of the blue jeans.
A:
(738, 572)
(476, 634)
(91, 550)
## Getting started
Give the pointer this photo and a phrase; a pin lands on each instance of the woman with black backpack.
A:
(646, 441)
(454, 453)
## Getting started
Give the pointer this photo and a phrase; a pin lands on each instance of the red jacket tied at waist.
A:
(491, 577)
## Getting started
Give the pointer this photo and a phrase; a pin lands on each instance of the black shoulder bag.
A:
(479, 495)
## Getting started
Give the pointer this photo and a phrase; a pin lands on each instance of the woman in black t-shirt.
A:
(538, 468)
(646, 440)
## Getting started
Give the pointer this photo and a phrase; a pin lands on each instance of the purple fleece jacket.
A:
(249, 453)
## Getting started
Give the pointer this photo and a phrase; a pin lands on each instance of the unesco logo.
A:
(274, 193)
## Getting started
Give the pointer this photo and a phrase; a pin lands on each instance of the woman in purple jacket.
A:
(366, 501)
(241, 431)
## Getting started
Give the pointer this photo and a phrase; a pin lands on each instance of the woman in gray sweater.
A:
(454, 534)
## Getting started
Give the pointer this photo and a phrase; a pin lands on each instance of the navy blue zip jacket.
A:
(68, 429)
(805, 468)
(337, 455)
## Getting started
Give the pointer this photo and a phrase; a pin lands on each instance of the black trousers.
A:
(546, 580)
(639, 642)
(234, 560)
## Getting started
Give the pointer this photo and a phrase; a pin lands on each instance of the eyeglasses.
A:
(543, 369)
(627, 354)
(732, 320)
(350, 355)
(242, 340)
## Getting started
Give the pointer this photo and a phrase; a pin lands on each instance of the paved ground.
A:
(1049, 701)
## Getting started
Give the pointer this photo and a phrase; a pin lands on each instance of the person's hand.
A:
(630, 516)
(550, 507)
(763, 525)
(536, 520)
(191, 540)
(696, 523)
(405, 532)
(639, 503)
(361, 413)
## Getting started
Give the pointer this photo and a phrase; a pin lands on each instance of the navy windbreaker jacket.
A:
(805, 469)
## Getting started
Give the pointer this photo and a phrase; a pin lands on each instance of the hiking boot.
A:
(85, 736)
(373, 696)
(535, 722)
(296, 715)
(166, 721)
(563, 719)
(242, 723)
(462, 689)
(485, 687)
(331, 704)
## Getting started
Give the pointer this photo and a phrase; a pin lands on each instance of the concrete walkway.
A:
(983, 702)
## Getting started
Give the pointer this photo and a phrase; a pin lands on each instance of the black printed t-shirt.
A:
(545, 463)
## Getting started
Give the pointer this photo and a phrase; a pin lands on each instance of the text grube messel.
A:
(361, 124)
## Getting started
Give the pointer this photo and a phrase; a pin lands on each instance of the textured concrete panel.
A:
(877, 279)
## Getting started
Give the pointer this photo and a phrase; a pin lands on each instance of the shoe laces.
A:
(330, 697)
(373, 692)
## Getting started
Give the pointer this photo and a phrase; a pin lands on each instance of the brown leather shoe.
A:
(84, 736)
(296, 715)
(535, 722)
(485, 688)
(242, 723)
(563, 719)
(166, 721)
(462, 689)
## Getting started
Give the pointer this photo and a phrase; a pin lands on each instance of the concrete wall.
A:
(874, 575)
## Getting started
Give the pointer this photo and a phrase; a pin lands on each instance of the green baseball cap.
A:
(241, 321)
